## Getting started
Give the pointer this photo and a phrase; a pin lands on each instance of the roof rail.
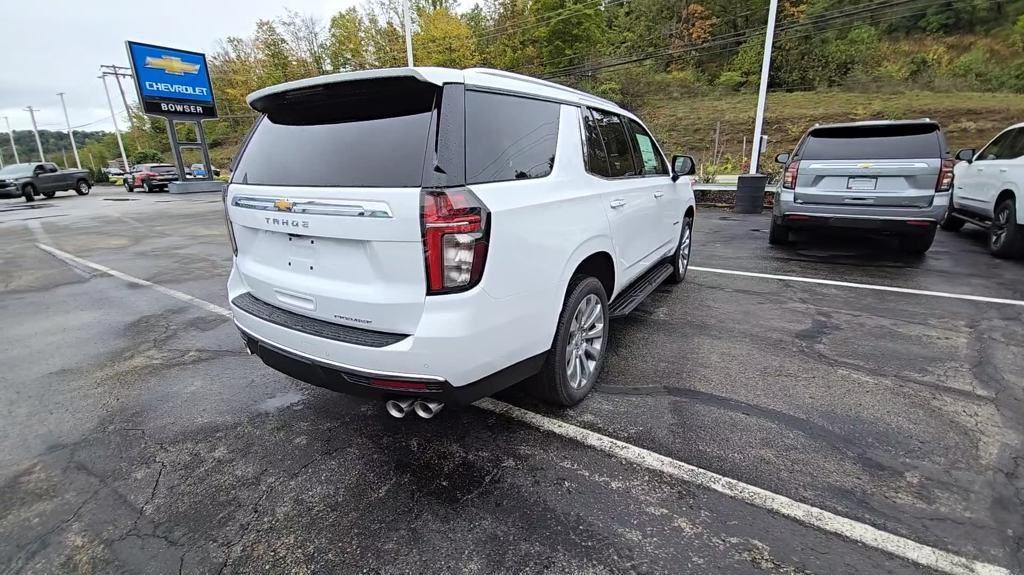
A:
(539, 82)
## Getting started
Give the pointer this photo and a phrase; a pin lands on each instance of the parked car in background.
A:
(113, 172)
(364, 265)
(891, 177)
(988, 192)
(150, 177)
(46, 179)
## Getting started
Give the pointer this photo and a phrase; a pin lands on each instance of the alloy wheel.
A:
(684, 250)
(999, 225)
(586, 338)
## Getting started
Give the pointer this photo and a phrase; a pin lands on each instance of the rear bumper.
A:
(878, 218)
(462, 340)
(369, 383)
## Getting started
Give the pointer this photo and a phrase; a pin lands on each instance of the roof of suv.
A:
(478, 77)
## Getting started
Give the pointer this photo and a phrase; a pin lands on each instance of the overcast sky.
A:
(55, 46)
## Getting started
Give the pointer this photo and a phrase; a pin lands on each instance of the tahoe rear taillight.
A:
(945, 181)
(455, 232)
(789, 176)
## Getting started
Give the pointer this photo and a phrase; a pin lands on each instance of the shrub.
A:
(731, 81)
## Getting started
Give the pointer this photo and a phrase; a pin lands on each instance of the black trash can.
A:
(750, 193)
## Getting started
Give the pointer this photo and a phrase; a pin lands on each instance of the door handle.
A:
(617, 203)
(659, 194)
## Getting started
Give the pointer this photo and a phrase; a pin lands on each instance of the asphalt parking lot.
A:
(136, 435)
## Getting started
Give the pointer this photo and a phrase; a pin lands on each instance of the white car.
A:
(436, 235)
(988, 191)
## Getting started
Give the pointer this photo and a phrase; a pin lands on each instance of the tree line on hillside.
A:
(56, 145)
(628, 50)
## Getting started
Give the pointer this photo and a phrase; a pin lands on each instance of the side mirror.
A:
(966, 155)
(38, 171)
(683, 166)
(782, 158)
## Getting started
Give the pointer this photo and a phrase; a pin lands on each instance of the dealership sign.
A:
(172, 82)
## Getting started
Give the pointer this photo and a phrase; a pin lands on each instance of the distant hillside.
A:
(687, 124)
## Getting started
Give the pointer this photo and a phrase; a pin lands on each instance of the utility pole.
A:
(10, 134)
(35, 130)
(118, 72)
(91, 161)
(71, 134)
(408, 33)
(762, 93)
(113, 118)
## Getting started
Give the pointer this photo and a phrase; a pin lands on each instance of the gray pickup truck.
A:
(31, 180)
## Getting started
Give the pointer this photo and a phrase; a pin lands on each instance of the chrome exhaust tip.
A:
(398, 408)
(427, 408)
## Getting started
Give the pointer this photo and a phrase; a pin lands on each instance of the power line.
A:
(890, 5)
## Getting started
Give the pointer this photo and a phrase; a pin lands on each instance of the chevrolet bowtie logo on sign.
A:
(284, 205)
(172, 65)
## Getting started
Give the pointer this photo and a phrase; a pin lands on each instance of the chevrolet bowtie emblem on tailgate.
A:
(284, 205)
(864, 166)
(172, 65)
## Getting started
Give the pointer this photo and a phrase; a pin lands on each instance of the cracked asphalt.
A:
(137, 437)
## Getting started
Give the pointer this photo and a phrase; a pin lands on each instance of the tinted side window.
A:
(1006, 146)
(885, 142)
(616, 144)
(597, 159)
(51, 168)
(650, 157)
(509, 138)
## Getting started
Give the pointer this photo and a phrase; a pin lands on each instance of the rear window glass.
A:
(359, 134)
(164, 169)
(912, 141)
(509, 138)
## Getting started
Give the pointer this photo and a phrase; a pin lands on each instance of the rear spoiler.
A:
(259, 99)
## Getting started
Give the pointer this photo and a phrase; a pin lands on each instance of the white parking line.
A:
(861, 286)
(164, 290)
(856, 531)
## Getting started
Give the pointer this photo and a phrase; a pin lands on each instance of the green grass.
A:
(687, 124)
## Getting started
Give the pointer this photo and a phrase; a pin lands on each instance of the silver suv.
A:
(890, 177)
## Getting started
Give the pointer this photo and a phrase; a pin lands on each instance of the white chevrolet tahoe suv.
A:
(436, 235)
(988, 191)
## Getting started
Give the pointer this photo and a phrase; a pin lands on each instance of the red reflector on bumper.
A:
(398, 384)
(922, 223)
(798, 217)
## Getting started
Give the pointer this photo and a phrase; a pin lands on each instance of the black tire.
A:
(949, 222)
(49, 194)
(149, 186)
(778, 234)
(82, 187)
(917, 244)
(29, 193)
(554, 383)
(128, 186)
(680, 263)
(1006, 235)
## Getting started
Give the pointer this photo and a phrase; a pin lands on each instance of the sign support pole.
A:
(201, 136)
(172, 134)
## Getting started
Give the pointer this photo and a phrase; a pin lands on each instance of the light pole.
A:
(35, 130)
(113, 118)
(750, 187)
(762, 93)
(71, 134)
(408, 33)
(10, 134)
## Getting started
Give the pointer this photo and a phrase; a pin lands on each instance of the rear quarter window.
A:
(907, 141)
(509, 137)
